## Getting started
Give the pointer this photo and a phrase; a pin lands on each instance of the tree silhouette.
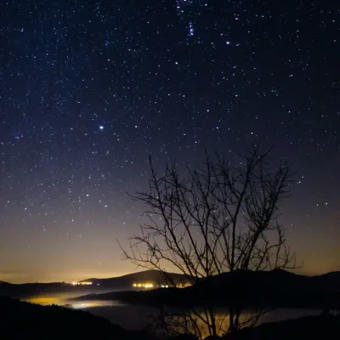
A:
(218, 218)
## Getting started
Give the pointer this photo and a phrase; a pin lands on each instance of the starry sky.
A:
(88, 89)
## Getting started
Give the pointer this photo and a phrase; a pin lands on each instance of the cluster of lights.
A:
(81, 283)
(146, 285)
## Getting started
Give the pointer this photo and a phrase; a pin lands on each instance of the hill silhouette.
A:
(21, 320)
(29, 289)
(121, 282)
(311, 327)
(155, 276)
(276, 288)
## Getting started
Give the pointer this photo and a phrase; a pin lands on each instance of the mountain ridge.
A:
(277, 288)
(156, 276)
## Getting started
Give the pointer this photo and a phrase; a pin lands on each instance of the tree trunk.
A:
(231, 320)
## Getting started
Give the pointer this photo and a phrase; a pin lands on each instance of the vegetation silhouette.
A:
(214, 219)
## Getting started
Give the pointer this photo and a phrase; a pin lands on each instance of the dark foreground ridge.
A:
(322, 327)
(22, 320)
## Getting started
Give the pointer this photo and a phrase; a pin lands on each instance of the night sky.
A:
(88, 89)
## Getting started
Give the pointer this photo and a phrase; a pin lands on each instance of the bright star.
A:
(101, 127)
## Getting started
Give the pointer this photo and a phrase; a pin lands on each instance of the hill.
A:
(29, 289)
(311, 327)
(126, 281)
(276, 288)
(21, 320)
(122, 282)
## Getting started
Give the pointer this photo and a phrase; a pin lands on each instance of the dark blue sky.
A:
(88, 89)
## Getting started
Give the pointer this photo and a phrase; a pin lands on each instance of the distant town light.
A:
(81, 283)
(148, 285)
(145, 285)
(85, 283)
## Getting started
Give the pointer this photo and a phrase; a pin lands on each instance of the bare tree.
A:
(215, 219)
